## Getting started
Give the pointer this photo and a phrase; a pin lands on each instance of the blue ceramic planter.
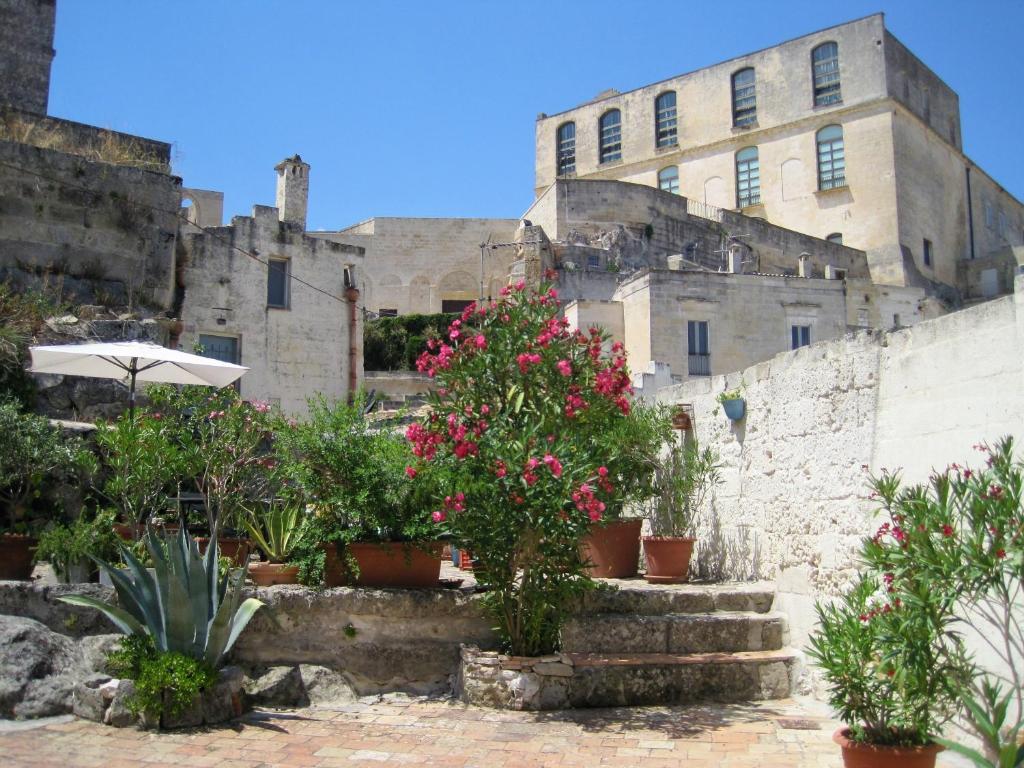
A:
(735, 409)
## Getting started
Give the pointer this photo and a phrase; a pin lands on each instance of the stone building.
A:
(263, 293)
(841, 134)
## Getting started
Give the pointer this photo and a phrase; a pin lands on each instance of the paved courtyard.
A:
(400, 731)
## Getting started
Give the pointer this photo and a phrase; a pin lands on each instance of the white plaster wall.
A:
(793, 506)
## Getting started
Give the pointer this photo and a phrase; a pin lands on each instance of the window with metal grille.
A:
(665, 119)
(744, 98)
(748, 178)
(835, 237)
(566, 148)
(927, 252)
(699, 352)
(800, 335)
(277, 283)
(831, 157)
(223, 348)
(825, 66)
(610, 125)
(668, 179)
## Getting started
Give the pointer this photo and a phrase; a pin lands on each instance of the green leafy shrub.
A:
(162, 679)
(531, 439)
(394, 343)
(88, 536)
(22, 313)
(35, 456)
(684, 477)
(276, 529)
(962, 536)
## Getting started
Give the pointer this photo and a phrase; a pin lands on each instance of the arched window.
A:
(665, 119)
(831, 157)
(835, 237)
(744, 98)
(825, 69)
(610, 125)
(668, 179)
(748, 178)
(566, 148)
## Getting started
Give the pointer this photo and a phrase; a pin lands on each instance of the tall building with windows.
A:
(842, 134)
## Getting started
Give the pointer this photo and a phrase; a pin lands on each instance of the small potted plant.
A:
(684, 477)
(733, 404)
(68, 548)
(276, 533)
(888, 678)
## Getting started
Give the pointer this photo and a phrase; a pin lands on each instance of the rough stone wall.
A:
(61, 213)
(26, 51)
(293, 352)
(793, 505)
(998, 216)
(910, 82)
(413, 264)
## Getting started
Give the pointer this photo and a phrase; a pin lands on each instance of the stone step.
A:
(674, 633)
(603, 680)
(636, 596)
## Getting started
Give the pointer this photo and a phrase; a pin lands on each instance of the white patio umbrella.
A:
(133, 361)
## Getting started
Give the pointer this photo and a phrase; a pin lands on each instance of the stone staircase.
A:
(645, 644)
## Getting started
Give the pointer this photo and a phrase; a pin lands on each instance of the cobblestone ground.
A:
(398, 731)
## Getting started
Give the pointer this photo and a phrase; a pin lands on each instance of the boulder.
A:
(276, 687)
(325, 687)
(118, 714)
(37, 669)
(91, 697)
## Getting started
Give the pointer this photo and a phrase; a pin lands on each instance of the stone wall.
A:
(26, 50)
(793, 505)
(61, 213)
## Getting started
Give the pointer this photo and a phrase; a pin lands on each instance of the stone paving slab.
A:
(402, 731)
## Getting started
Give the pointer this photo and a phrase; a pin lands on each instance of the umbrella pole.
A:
(131, 391)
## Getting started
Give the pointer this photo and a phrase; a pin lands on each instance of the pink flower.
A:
(485, 409)
(438, 516)
(553, 464)
(411, 472)
(454, 334)
(520, 285)
(565, 367)
(529, 477)
(602, 471)
(532, 463)
(480, 341)
(500, 470)
(594, 515)
(947, 531)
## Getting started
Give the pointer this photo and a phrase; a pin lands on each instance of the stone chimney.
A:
(26, 52)
(803, 265)
(292, 190)
(735, 259)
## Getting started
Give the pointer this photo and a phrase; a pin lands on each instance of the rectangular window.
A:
(454, 305)
(748, 178)
(800, 335)
(611, 136)
(277, 283)
(665, 119)
(566, 148)
(744, 98)
(699, 353)
(593, 260)
(862, 317)
(387, 312)
(223, 348)
(927, 252)
(826, 75)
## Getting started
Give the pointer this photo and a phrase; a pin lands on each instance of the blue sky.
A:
(428, 108)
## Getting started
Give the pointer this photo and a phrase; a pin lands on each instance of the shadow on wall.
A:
(733, 554)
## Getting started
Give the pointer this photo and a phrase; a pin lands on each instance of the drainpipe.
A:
(352, 297)
(970, 211)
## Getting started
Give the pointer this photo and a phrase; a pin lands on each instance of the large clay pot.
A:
(668, 558)
(858, 755)
(236, 549)
(269, 574)
(386, 565)
(613, 549)
(16, 557)
(129, 531)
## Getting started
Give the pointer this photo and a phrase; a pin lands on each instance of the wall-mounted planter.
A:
(680, 418)
(735, 409)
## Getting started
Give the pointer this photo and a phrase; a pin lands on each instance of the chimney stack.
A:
(292, 190)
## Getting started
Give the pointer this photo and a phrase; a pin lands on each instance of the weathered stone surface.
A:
(325, 687)
(279, 686)
(33, 666)
(189, 716)
(39, 602)
(553, 668)
(89, 700)
(223, 702)
(119, 714)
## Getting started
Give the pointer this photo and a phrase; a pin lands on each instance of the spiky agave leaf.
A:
(118, 616)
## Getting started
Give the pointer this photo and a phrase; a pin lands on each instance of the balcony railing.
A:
(700, 365)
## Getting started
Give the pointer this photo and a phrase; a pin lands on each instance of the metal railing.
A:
(703, 210)
(700, 365)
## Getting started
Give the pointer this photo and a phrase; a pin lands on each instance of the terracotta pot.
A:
(269, 574)
(236, 549)
(858, 755)
(613, 549)
(386, 565)
(668, 558)
(465, 560)
(129, 531)
(16, 557)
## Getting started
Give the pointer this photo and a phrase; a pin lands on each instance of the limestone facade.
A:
(26, 51)
(906, 178)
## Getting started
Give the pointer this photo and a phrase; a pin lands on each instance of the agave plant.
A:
(276, 531)
(186, 607)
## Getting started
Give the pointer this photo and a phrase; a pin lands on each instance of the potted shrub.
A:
(175, 647)
(520, 454)
(962, 534)
(684, 477)
(369, 524)
(68, 548)
(275, 532)
(733, 404)
(35, 456)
